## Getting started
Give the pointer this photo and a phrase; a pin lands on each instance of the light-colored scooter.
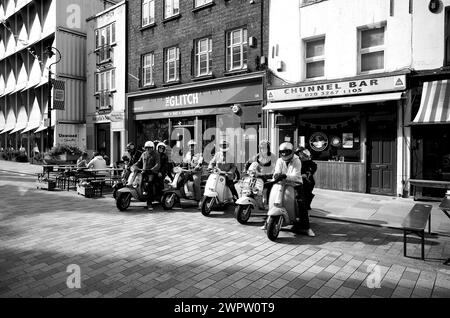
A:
(282, 207)
(134, 189)
(180, 190)
(217, 195)
(251, 197)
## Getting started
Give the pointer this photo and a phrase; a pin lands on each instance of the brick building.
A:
(189, 63)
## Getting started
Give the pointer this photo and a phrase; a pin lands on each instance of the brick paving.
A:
(182, 254)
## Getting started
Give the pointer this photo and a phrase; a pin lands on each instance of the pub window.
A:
(199, 3)
(237, 50)
(371, 49)
(315, 58)
(172, 61)
(148, 12)
(148, 64)
(171, 8)
(447, 36)
(203, 51)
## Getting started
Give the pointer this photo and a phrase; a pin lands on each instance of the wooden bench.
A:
(415, 223)
(420, 184)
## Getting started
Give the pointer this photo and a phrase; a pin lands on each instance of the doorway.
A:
(382, 157)
(104, 139)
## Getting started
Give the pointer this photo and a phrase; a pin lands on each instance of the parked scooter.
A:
(134, 190)
(217, 195)
(282, 207)
(181, 190)
(251, 197)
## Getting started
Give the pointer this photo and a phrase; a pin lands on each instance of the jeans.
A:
(302, 211)
(197, 178)
(149, 183)
(230, 185)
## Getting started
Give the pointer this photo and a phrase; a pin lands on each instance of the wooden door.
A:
(382, 158)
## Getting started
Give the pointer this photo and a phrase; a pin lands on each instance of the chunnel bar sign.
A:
(334, 89)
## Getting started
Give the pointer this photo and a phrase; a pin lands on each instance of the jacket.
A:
(149, 162)
(164, 162)
(193, 161)
(97, 163)
(293, 169)
(223, 163)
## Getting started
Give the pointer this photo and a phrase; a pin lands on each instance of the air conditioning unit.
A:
(279, 65)
(252, 41)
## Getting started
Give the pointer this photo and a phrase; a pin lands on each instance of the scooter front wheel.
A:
(242, 213)
(274, 227)
(168, 201)
(207, 206)
(123, 201)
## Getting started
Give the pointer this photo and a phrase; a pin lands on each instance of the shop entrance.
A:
(104, 139)
(381, 157)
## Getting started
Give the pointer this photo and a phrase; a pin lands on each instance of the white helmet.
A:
(287, 151)
(161, 144)
(149, 144)
(192, 143)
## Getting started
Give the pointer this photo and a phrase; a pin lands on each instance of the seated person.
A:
(97, 162)
(82, 161)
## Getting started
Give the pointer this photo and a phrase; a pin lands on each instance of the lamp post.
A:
(50, 85)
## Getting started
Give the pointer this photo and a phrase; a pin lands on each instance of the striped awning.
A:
(435, 104)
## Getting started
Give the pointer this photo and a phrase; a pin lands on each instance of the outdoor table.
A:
(445, 207)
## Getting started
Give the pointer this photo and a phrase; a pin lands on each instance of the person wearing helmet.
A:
(266, 161)
(289, 167)
(309, 168)
(225, 162)
(134, 153)
(150, 164)
(164, 169)
(194, 161)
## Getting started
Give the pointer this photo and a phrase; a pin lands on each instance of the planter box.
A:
(48, 185)
(87, 191)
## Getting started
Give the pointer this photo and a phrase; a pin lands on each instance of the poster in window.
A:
(318, 142)
(347, 140)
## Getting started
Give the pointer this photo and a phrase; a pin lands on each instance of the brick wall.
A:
(211, 21)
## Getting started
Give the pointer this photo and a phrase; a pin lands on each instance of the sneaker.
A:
(310, 233)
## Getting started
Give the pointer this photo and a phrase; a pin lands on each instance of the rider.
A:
(289, 167)
(266, 161)
(309, 168)
(164, 169)
(135, 154)
(150, 163)
(193, 161)
(225, 163)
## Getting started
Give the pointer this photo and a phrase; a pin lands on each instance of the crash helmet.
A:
(126, 157)
(163, 145)
(264, 144)
(149, 144)
(224, 146)
(192, 143)
(286, 151)
(131, 146)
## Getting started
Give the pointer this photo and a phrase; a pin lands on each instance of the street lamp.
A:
(49, 52)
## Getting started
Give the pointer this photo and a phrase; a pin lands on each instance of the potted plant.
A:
(62, 153)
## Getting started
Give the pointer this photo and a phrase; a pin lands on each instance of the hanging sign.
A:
(59, 94)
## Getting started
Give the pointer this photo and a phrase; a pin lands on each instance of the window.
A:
(105, 81)
(371, 49)
(148, 64)
(203, 50)
(199, 3)
(171, 8)
(237, 50)
(148, 12)
(315, 58)
(105, 36)
(172, 60)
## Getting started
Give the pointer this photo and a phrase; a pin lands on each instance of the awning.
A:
(435, 104)
(10, 122)
(22, 120)
(2, 120)
(347, 100)
(35, 117)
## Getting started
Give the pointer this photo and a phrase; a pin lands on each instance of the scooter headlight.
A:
(246, 192)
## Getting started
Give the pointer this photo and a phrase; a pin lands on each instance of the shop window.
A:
(315, 58)
(371, 49)
(148, 64)
(148, 12)
(203, 59)
(171, 8)
(151, 130)
(172, 64)
(237, 50)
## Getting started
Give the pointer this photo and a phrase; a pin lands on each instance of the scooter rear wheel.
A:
(273, 227)
(123, 201)
(242, 213)
(207, 206)
(168, 201)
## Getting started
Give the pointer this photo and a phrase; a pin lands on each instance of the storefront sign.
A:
(184, 113)
(70, 134)
(334, 89)
(116, 117)
(100, 119)
(196, 99)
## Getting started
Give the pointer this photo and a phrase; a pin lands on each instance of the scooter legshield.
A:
(133, 192)
(246, 201)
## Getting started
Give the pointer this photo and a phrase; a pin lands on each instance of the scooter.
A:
(282, 207)
(134, 190)
(251, 197)
(123, 180)
(181, 190)
(217, 195)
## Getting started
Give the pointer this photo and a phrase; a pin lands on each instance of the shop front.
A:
(352, 128)
(205, 112)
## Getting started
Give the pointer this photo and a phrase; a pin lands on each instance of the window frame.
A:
(243, 48)
(198, 54)
(151, 67)
(372, 49)
(172, 14)
(206, 3)
(167, 62)
(111, 40)
(100, 86)
(151, 19)
(317, 58)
